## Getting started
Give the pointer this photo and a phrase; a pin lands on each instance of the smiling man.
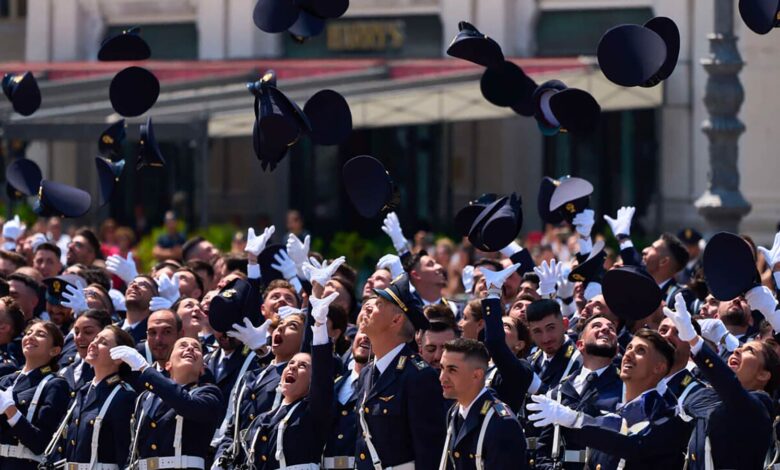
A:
(163, 328)
(557, 356)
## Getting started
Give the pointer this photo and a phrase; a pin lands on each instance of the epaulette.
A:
(536, 355)
(418, 362)
(245, 351)
(569, 351)
(46, 370)
(501, 409)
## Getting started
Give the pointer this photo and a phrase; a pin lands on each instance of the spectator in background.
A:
(55, 235)
(107, 236)
(10, 262)
(295, 225)
(84, 248)
(238, 243)
(171, 243)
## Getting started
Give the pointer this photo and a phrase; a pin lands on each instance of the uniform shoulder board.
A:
(112, 380)
(46, 370)
(401, 363)
(501, 409)
(485, 408)
(687, 380)
(445, 302)
(536, 355)
(569, 351)
(245, 351)
(419, 363)
(337, 378)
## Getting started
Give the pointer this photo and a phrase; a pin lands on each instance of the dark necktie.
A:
(374, 375)
(458, 422)
(589, 381)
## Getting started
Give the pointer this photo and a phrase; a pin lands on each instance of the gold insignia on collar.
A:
(45, 370)
(401, 363)
(569, 351)
(112, 380)
(228, 293)
(387, 399)
(485, 408)
(686, 380)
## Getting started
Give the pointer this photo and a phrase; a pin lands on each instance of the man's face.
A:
(59, 315)
(161, 334)
(598, 338)
(379, 280)
(55, 227)
(139, 293)
(656, 256)
(24, 295)
(80, 251)
(528, 287)
(597, 306)
(457, 376)
(188, 285)
(185, 352)
(519, 308)
(430, 273)
(47, 263)
(432, 346)
(379, 318)
(6, 267)
(548, 333)
(709, 308)
(669, 332)
(469, 325)
(735, 312)
(276, 299)
(287, 337)
(480, 285)
(361, 348)
(641, 362)
(512, 283)
(343, 300)
(204, 251)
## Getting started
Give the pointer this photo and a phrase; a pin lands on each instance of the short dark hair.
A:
(200, 265)
(771, 364)
(439, 312)
(592, 318)
(347, 273)
(489, 262)
(235, 262)
(676, 249)
(27, 281)
(48, 246)
(476, 309)
(531, 276)
(92, 239)
(96, 275)
(15, 314)
(168, 263)
(470, 348)
(338, 317)
(539, 309)
(438, 326)
(279, 284)
(413, 262)
(102, 317)
(189, 245)
(155, 288)
(660, 344)
(13, 257)
(198, 279)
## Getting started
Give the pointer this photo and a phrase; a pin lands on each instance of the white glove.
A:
(772, 256)
(494, 280)
(118, 300)
(761, 298)
(75, 300)
(583, 222)
(592, 290)
(285, 311)
(253, 338)
(565, 286)
(467, 276)
(159, 303)
(130, 357)
(511, 249)
(255, 244)
(37, 240)
(392, 263)
(285, 265)
(169, 286)
(6, 399)
(122, 268)
(321, 273)
(392, 227)
(319, 308)
(681, 318)
(299, 252)
(548, 411)
(622, 224)
(548, 277)
(12, 230)
(714, 330)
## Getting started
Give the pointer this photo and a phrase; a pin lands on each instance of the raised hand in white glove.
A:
(123, 268)
(392, 227)
(584, 221)
(761, 298)
(74, 299)
(467, 276)
(714, 330)
(253, 337)
(285, 265)
(392, 263)
(12, 230)
(321, 272)
(159, 303)
(547, 411)
(299, 252)
(37, 240)
(622, 224)
(772, 256)
(681, 318)
(494, 280)
(285, 311)
(6, 399)
(256, 244)
(565, 286)
(548, 277)
(117, 300)
(319, 308)
(169, 286)
(130, 357)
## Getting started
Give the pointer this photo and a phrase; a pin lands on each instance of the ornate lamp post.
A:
(722, 204)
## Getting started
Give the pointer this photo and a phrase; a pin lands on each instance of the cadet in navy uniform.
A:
(482, 432)
(138, 295)
(340, 448)
(402, 412)
(33, 400)
(294, 434)
(596, 389)
(98, 430)
(175, 418)
(557, 356)
(739, 428)
(86, 328)
(60, 292)
(11, 327)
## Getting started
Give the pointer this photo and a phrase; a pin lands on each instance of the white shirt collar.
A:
(464, 411)
(661, 284)
(585, 371)
(384, 362)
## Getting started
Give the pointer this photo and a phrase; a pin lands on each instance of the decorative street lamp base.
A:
(722, 210)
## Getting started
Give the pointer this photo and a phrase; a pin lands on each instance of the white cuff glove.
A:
(13, 229)
(321, 272)
(130, 357)
(6, 399)
(772, 256)
(253, 338)
(761, 298)
(256, 244)
(75, 300)
(117, 300)
(714, 330)
(548, 277)
(299, 252)
(548, 411)
(159, 303)
(123, 268)
(319, 311)
(622, 224)
(494, 280)
(511, 249)
(392, 263)
(392, 227)
(169, 287)
(565, 286)
(681, 318)
(285, 265)
(467, 276)
(583, 222)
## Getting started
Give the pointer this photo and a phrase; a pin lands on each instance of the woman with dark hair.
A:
(98, 422)
(33, 400)
(85, 329)
(517, 336)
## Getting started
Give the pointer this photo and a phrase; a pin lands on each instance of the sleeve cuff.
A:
(253, 271)
(15, 419)
(626, 244)
(697, 347)
(511, 249)
(319, 334)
